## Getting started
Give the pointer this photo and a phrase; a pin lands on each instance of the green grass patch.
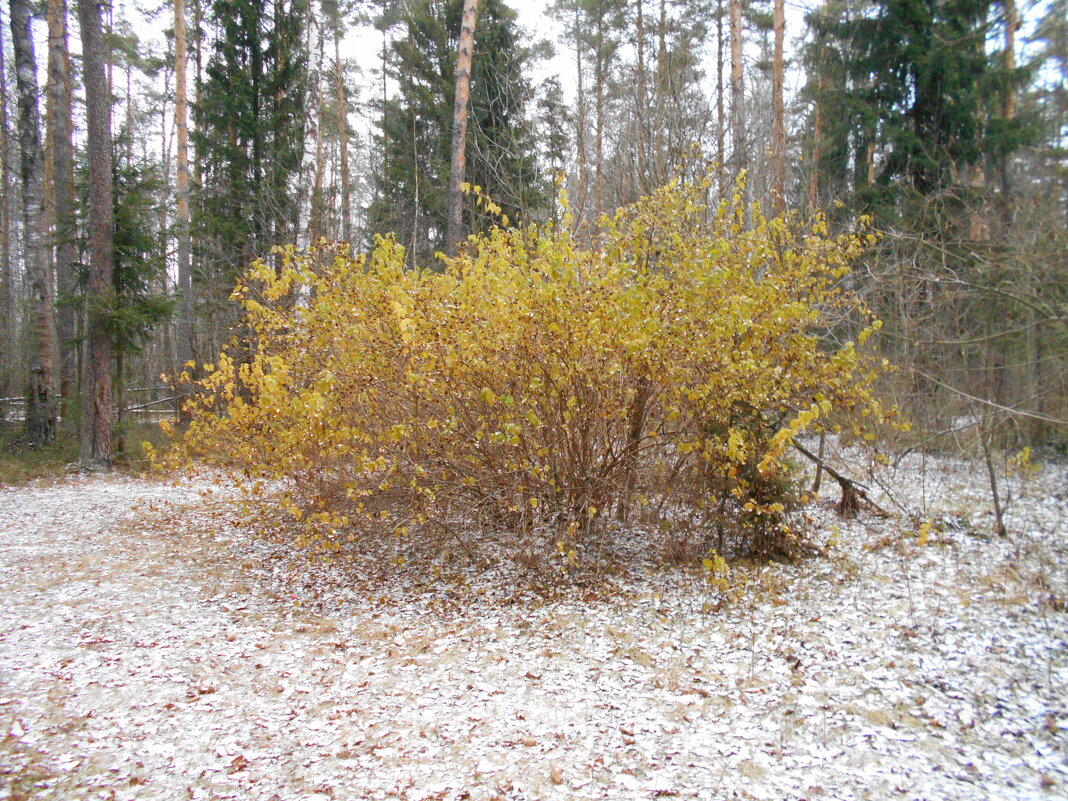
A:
(132, 457)
(19, 464)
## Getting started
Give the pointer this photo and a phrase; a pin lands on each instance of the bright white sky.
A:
(364, 44)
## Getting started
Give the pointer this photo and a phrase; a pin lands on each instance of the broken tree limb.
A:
(819, 464)
(853, 492)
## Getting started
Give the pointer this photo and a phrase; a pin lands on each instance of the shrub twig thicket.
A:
(542, 387)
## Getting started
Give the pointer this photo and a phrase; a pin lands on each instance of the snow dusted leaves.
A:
(155, 653)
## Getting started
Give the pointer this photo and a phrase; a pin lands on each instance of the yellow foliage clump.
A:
(539, 385)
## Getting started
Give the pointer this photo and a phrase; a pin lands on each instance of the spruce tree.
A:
(249, 132)
(415, 128)
(909, 98)
(96, 443)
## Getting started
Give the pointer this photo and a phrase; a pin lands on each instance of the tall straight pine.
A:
(459, 126)
(95, 450)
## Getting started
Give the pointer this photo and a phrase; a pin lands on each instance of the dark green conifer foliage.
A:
(921, 129)
(139, 258)
(415, 127)
(911, 96)
(136, 307)
(1049, 102)
(249, 132)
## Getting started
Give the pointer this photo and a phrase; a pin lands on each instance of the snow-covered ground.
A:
(148, 650)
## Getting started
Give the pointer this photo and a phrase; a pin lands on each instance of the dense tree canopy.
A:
(253, 124)
(415, 125)
(911, 96)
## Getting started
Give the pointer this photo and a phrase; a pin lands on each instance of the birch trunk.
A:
(40, 401)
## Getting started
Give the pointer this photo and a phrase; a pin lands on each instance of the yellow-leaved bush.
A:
(538, 386)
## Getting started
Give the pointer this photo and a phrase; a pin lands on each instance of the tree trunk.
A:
(97, 401)
(721, 154)
(280, 221)
(383, 71)
(8, 323)
(315, 83)
(599, 80)
(662, 167)
(198, 78)
(580, 124)
(343, 137)
(186, 348)
(413, 254)
(66, 252)
(817, 136)
(991, 474)
(644, 183)
(1008, 100)
(778, 136)
(459, 127)
(40, 401)
(168, 340)
(741, 159)
(107, 23)
(129, 113)
(120, 403)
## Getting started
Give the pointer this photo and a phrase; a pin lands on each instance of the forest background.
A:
(250, 124)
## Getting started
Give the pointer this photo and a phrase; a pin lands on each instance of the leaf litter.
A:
(150, 649)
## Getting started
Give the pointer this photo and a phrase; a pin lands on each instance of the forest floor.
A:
(150, 650)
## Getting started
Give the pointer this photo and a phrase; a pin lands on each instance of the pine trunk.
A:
(741, 159)
(315, 212)
(662, 167)
(186, 348)
(580, 125)
(8, 324)
(778, 138)
(62, 171)
(721, 153)
(40, 401)
(1008, 101)
(97, 412)
(599, 80)
(644, 182)
(817, 136)
(198, 78)
(343, 138)
(383, 69)
(459, 127)
(281, 222)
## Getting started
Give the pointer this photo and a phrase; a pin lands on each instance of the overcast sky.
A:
(364, 44)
